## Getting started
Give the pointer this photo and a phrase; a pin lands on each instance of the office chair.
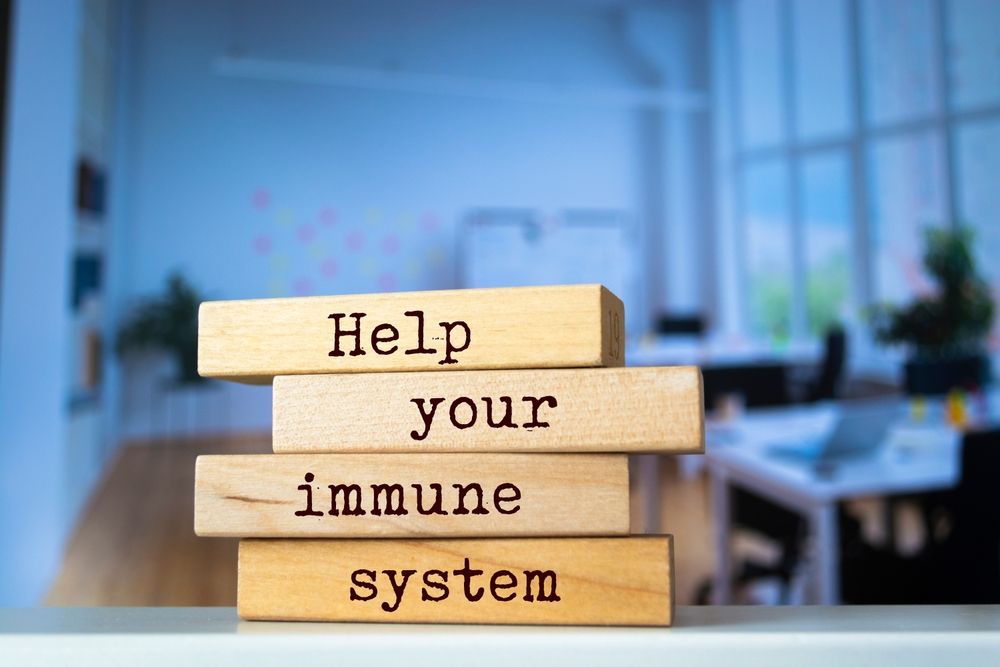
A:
(827, 383)
(760, 384)
(754, 514)
(963, 566)
(680, 325)
(758, 515)
(966, 562)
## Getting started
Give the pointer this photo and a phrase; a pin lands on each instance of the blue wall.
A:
(34, 311)
(257, 188)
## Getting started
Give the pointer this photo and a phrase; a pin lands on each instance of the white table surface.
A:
(682, 351)
(915, 457)
(744, 636)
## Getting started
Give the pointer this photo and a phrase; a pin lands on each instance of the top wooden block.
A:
(566, 326)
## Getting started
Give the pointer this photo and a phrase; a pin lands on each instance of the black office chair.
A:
(966, 562)
(680, 325)
(753, 514)
(962, 566)
(760, 384)
(760, 516)
(826, 386)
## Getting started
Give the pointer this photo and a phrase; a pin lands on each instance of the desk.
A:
(763, 377)
(703, 637)
(932, 464)
(694, 351)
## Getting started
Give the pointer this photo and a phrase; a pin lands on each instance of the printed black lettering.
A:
(347, 492)
(419, 349)
(307, 487)
(371, 587)
(508, 418)
(436, 507)
(452, 412)
(542, 577)
(467, 573)
(377, 339)
(449, 347)
(462, 491)
(535, 404)
(397, 589)
(337, 334)
(393, 499)
(514, 496)
(443, 576)
(427, 417)
(495, 585)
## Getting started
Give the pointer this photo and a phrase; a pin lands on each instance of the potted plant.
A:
(168, 322)
(945, 331)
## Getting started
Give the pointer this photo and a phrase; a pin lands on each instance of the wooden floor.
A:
(135, 544)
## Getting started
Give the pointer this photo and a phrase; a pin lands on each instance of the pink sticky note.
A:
(355, 240)
(429, 222)
(262, 244)
(302, 286)
(390, 244)
(329, 267)
(260, 199)
(307, 233)
(387, 281)
(328, 217)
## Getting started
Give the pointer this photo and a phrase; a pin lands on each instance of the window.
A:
(769, 250)
(760, 72)
(900, 75)
(826, 215)
(906, 186)
(856, 124)
(821, 62)
(979, 196)
(973, 50)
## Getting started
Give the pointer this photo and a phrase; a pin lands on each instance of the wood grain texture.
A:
(258, 496)
(519, 327)
(598, 581)
(133, 544)
(596, 410)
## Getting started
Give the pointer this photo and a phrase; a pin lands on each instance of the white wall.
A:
(672, 38)
(34, 295)
(258, 188)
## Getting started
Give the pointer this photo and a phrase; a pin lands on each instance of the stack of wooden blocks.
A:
(453, 456)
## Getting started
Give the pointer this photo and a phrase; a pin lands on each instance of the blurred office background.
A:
(753, 177)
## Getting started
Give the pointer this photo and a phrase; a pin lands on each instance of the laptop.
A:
(858, 432)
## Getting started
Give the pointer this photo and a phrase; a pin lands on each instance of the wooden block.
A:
(552, 410)
(396, 495)
(550, 581)
(519, 327)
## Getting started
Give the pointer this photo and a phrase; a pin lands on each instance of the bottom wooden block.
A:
(549, 581)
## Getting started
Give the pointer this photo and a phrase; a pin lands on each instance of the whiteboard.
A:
(512, 248)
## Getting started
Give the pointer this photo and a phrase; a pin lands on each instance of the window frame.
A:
(943, 123)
